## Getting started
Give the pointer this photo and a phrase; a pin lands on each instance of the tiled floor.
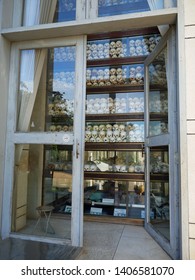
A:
(102, 241)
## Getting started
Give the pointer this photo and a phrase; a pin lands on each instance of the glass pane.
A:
(57, 182)
(65, 10)
(159, 190)
(115, 75)
(114, 132)
(47, 85)
(114, 198)
(61, 87)
(118, 7)
(114, 161)
(43, 186)
(115, 103)
(122, 47)
(158, 95)
(40, 12)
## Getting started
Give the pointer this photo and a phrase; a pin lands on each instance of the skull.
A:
(118, 44)
(113, 79)
(131, 43)
(113, 71)
(138, 42)
(112, 45)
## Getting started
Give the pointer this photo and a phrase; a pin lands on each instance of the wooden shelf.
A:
(110, 146)
(114, 176)
(116, 117)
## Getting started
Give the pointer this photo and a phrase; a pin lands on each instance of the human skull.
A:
(113, 79)
(139, 50)
(109, 134)
(118, 44)
(95, 127)
(131, 43)
(138, 42)
(152, 40)
(102, 134)
(112, 71)
(145, 42)
(123, 168)
(132, 50)
(112, 45)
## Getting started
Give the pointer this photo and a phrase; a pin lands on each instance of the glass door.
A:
(161, 145)
(46, 139)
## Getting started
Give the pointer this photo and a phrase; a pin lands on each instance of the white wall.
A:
(4, 74)
(189, 21)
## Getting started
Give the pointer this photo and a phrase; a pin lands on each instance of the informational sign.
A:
(108, 200)
(68, 209)
(143, 214)
(95, 211)
(119, 212)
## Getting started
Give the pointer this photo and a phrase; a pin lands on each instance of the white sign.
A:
(119, 212)
(108, 200)
(66, 138)
(96, 211)
(68, 209)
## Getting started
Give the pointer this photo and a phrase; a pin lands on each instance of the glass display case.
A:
(115, 103)
(115, 75)
(158, 100)
(130, 46)
(132, 131)
(114, 161)
(115, 198)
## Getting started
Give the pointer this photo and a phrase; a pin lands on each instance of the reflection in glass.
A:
(65, 10)
(114, 161)
(122, 47)
(117, 7)
(61, 86)
(115, 103)
(115, 198)
(159, 191)
(57, 184)
(114, 132)
(158, 95)
(43, 177)
(48, 11)
(115, 75)
(51, 94)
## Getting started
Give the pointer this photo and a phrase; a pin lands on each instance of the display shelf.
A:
(113, 146)
(115, 117)
(114, 176)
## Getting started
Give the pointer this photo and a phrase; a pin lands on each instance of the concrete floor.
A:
(102, 241)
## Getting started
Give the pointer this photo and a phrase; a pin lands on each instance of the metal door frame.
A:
(75, 139)
(169, 139)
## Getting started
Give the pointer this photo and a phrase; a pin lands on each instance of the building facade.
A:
(97, 119)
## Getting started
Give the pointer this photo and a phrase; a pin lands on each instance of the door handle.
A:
(77, 149)
(143, 150)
